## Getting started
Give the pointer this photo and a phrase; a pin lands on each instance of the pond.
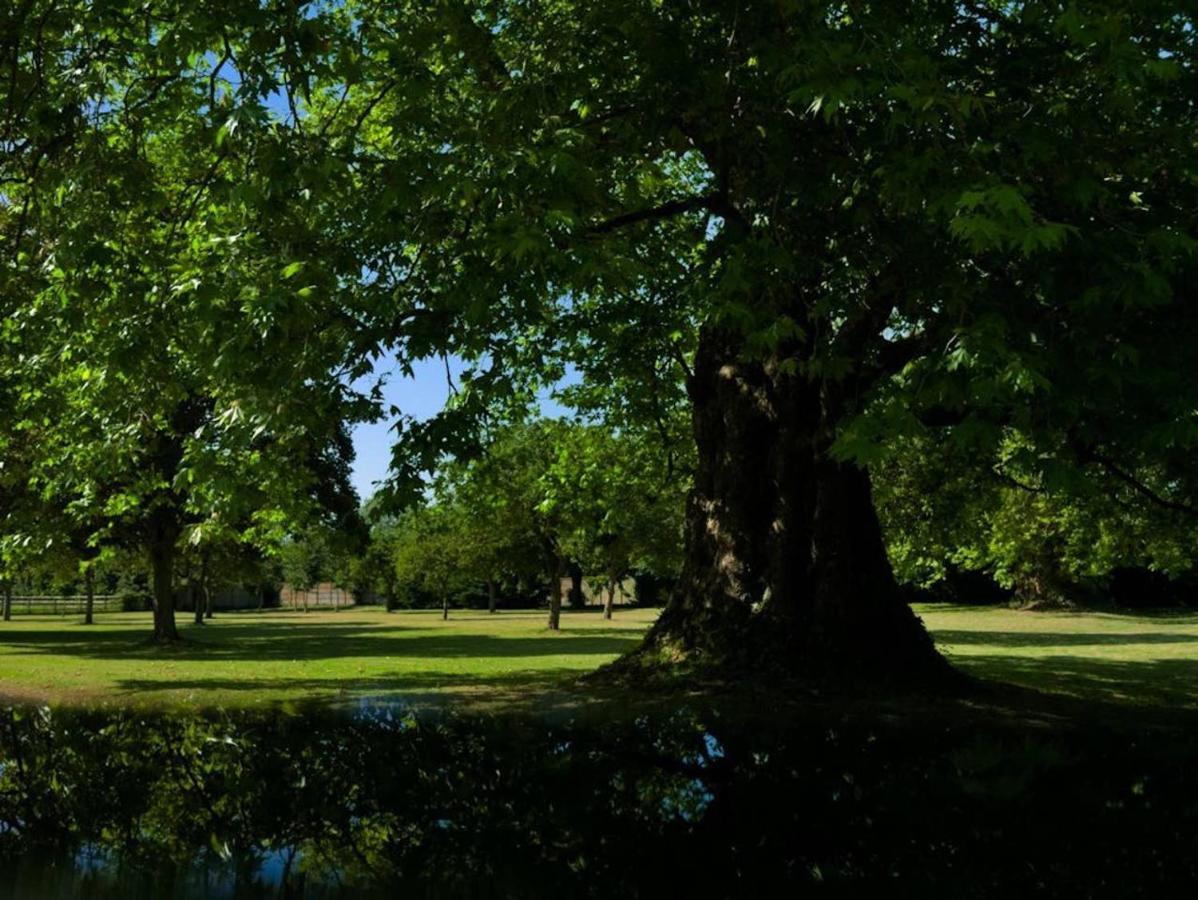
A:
(381, 801)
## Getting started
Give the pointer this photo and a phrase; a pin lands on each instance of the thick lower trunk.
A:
(491, 596)
(555, 596)
(7, 602)
(858, 617)
(610, 600)
(162, 569)
(89, 585)
(1044, 586)
(208, 595)
(784, 564)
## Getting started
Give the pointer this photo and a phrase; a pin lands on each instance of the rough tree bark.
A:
(784, 567)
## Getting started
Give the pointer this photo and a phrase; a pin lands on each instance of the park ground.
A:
(364, 654)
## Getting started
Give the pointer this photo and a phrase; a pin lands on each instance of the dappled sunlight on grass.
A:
(250, 658)
(1146, 659)
(245, 659)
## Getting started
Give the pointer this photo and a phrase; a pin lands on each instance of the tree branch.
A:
(1140, 488)
(665, 211)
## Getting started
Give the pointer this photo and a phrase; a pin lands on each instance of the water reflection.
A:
(382, 802)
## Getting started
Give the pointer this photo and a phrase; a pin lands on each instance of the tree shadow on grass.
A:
(946, 637)
(1162, 683)
(388, 683)
(311, 642)
(553, 691)
(1181, 615)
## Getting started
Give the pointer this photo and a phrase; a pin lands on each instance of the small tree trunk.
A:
(89, 586)
(208, 599)
(162, 568)
(576, 598)
(7, 602)
(195, 591)
(261, 597)
(610, 601)
(555, 595)
(491, 599)
(445, 607)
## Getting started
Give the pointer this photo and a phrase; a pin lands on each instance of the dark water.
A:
(384, 803)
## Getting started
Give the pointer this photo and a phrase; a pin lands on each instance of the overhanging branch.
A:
(1140, 488)
(664, 211)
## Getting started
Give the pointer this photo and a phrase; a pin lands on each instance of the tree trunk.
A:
(491, 598)
(7, 602)
(610, 600)
(784, 565)
(162, 568)
(575, 597)
(208, 599)
(445, 607)
(555, 595)
(89, 586)
(195, 590)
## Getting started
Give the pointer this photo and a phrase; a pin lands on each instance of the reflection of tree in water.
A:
(124, 804)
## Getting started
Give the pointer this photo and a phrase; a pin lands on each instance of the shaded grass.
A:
(249, 658)
(1148, 659)
(511, 660)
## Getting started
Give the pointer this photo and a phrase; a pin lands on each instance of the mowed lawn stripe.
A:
(249, 658)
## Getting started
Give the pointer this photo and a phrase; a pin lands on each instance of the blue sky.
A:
(422, 395)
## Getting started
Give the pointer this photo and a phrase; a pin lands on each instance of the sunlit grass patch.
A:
(250, 658)
(1149, 658)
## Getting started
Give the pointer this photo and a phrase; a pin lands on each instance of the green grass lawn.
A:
(1144, 659)
(249, 658)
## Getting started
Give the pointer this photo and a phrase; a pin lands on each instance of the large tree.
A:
(181, 350)
(864, 218)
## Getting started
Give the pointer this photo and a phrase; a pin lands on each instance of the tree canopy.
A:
(821, 230)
